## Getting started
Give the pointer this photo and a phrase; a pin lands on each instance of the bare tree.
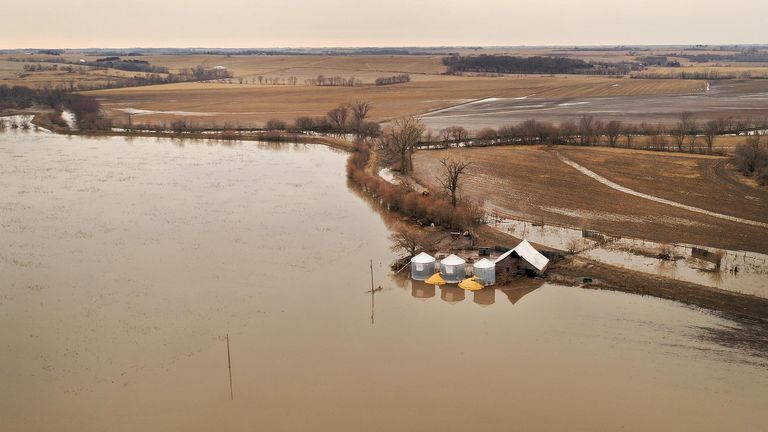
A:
(487, 135)
(613, 130)
(452, 171)
(629, 132)
(454, 133)
(338, 117)
(360, 110)
(407, 240)
(586, 129)
(692, 130)
(711, 131)
(568, 131)
(681, 130)
(401, 140)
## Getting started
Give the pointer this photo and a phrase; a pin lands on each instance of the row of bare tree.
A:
(336, 81)
(685, 135)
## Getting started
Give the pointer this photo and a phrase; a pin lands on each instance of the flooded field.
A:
(738, 271)
(747, 99)
(125, 262)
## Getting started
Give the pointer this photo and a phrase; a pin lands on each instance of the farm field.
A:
(252, 105)
(532, 183)
(738, 99)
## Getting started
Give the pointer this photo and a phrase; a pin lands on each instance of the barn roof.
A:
(527, 252)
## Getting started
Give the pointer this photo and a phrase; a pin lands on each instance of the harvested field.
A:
(701, 181)
(532, 183)
(742, 99)
(365, 68)
(252, 105)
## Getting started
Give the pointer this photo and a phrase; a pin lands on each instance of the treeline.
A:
(87, 109)
(45, 68)
(530, 65)
(710, 75)
(746, 57)
(333, 81)
(348, 118)
(126, 65)
(687, 135)
(425, 208)
(395, 79)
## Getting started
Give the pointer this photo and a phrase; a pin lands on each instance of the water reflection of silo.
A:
(485, 296)
(421, 290)
(452, 294)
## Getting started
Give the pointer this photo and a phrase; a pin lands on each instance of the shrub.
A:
(275, 124)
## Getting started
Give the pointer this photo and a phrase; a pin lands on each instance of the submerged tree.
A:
(407, 240)
(452, 171)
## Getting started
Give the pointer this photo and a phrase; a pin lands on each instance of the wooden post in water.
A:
(229, 366)
(372, 292)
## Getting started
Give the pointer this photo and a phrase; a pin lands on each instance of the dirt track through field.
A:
(629, 191)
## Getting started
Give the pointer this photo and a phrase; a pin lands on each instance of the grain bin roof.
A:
(452, 260)
(423, 258)
(485, 264)
(527, 252)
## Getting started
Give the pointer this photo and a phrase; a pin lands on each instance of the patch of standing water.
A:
(738, 271)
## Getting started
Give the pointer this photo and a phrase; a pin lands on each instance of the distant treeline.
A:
(395, 79)
(126, 65)
(701, 75)
(146, 73)
(333, 81)
(530, 65)
(761, 57)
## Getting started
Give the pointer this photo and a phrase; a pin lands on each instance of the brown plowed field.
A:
(532, 183)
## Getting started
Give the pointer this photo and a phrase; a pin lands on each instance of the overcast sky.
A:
(301, 23)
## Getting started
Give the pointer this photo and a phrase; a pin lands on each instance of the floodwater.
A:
(738, 271)
(125, 262)
(726, 99)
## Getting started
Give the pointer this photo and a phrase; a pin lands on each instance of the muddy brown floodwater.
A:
(123, 263)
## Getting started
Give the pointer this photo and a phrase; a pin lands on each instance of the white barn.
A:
(523, 259)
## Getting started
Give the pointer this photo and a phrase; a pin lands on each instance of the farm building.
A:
(422, 266)
(452, 269)
(485, 270)
(523, 259)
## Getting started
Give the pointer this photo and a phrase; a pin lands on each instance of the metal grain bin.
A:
(485, 270)
(452, 268)
(422, 266)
